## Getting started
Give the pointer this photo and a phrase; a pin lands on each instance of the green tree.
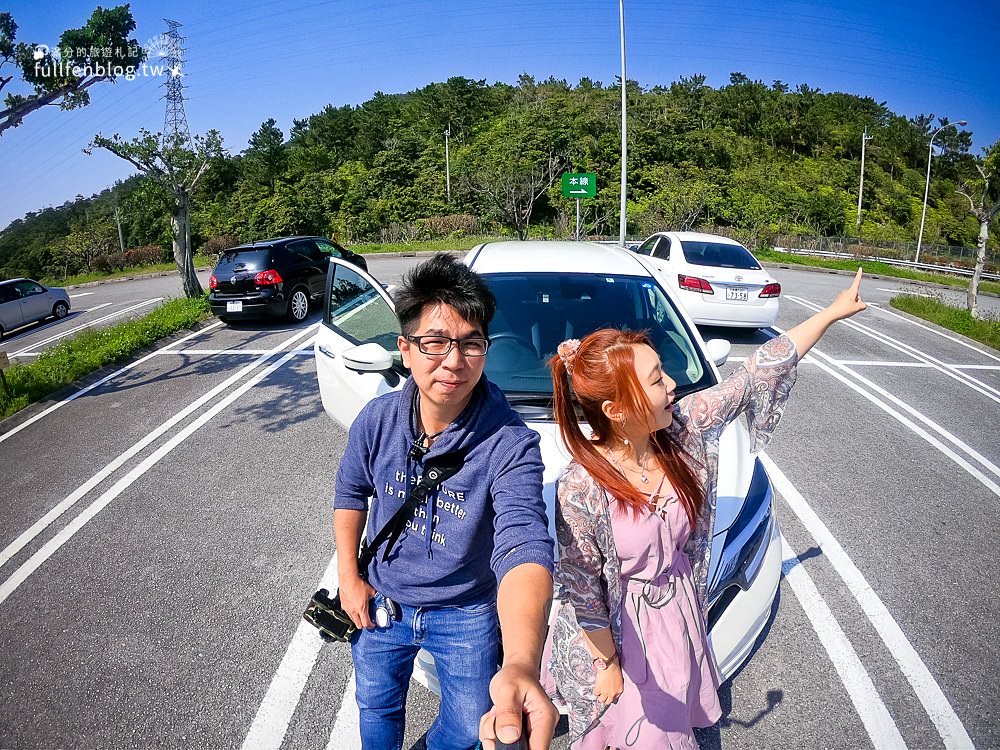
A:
(983, 194)
(178, 166)
(266, 159)
(99, 51)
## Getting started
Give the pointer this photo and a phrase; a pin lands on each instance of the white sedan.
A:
(718, 281)
(547, 292)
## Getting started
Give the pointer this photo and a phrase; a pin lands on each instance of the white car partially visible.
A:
(547, 292)
(719, 282)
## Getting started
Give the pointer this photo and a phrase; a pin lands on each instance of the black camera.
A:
(329, 617)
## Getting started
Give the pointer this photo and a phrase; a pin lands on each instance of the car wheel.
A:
(298, 306)
(60, 310)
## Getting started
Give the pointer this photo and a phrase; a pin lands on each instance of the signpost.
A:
(579, 185)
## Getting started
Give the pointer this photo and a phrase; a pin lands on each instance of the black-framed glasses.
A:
(438, 346)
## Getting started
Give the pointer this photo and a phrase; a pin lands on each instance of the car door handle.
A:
(327, 352)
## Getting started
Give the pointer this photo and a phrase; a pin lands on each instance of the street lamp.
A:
(927, 182)
(621, 219)
(447, 165)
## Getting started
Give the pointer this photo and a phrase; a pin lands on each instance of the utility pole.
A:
(621, 220)
(447, 165)
(175, 124)
(861, 188)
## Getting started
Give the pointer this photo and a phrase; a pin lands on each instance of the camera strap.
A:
(437, 469)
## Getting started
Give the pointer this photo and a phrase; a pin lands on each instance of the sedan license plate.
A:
(238, 306)
(737, 293)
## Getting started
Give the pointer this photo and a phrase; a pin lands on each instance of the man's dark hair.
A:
(443, 280)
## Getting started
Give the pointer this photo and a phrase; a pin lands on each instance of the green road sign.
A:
(582, 185)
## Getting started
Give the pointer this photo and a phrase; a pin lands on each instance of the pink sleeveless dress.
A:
(670, 678)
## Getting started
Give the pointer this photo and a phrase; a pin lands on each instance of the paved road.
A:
(161, 533)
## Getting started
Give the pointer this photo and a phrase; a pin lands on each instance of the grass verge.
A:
(953, 318)
(93, 349)
(873, 267)
(82, 278)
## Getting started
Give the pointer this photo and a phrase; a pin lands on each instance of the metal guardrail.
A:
(890, 261)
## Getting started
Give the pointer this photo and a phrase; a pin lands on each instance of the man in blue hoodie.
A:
(479, 549)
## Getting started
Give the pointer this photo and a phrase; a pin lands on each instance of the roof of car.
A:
(19, 278)
(702, 237)
(554, 256)
(274, 241)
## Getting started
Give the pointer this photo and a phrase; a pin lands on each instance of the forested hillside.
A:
(760, 159)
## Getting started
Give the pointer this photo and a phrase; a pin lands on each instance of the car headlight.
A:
(743, 546)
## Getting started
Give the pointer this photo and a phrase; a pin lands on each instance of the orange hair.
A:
(603, 369)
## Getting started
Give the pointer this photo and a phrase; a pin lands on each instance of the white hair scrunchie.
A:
(567, 353)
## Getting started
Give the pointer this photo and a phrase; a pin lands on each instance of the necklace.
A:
(641, 471)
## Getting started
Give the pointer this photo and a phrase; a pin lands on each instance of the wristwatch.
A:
(600, 663)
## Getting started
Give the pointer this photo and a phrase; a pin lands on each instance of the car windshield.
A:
(718, 255)
(233, 261)
(537, 311)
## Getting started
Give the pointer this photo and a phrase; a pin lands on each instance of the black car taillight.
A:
(694, 284)
(267, 278)
(770, 290)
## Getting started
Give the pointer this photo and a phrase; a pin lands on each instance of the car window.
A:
(328, 248)
(304, 251)
(7, 293)
(662, 249)
(358, 311)
(537, 311)
(718, 255)
(28, 288)
(646, 247)
(243, 261)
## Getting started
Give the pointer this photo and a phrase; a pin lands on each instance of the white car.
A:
(539, 304)
(718, 281)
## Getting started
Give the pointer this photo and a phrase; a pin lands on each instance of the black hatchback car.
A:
(275, 278)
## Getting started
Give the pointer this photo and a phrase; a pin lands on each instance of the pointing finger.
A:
(857, 280)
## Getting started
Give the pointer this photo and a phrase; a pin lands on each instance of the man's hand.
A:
(515, 690)
(354, 596)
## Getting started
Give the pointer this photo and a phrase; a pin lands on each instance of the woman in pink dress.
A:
(627, 652)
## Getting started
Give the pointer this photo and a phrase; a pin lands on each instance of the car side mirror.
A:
(370, 357)
(718, 350)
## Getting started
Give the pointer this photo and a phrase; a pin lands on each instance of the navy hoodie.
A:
(479, 524)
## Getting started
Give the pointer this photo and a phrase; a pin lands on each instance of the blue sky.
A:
(247, 62)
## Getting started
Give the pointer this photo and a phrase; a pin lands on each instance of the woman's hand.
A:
(354, 596)
(609, 683)
(849, 301)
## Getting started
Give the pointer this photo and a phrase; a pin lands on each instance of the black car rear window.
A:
(718, 255)
(244, 260)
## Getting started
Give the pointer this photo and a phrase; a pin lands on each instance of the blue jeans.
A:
(463, 642)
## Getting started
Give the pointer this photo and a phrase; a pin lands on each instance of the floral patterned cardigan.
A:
(588, 576)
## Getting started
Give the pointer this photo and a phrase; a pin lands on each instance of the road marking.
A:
(986, 481)
(346, 733)
(64, 334)
(41, 524)
(961, 377)
(98, 307)
(104, 380)
(977, 367)
(938, 708)
(283, 694)
(906, 292)
(81, 294)
(860, 689)
(232, 351)
(948, 336)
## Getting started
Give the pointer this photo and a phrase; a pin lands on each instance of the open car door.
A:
(357, 352)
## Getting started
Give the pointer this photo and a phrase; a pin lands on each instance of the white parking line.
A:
(104, 380)
(948, 336)
(41, 524)
(64, 334)
(283, 694)
(907, 292)
(232, 351)
(938, 708)
(81, 294)
(860, 689)
(961, 377)
(346, 734)
(98, 307)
